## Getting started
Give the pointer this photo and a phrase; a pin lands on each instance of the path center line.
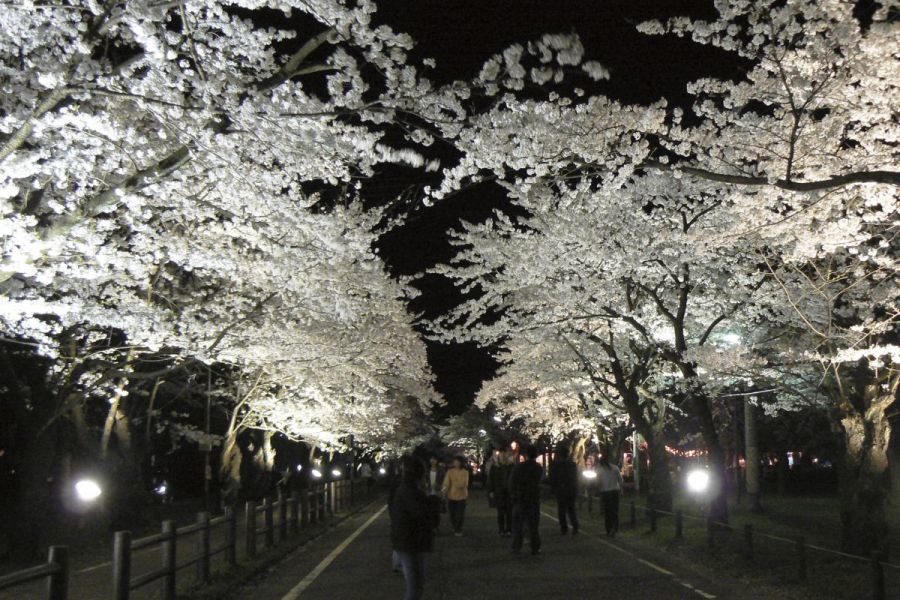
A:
(312, 575)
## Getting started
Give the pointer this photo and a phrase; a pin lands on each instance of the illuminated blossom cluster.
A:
(168, 171)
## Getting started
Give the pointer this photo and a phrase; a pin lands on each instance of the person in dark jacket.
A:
(412, 525)
(564, 483)
(525, 493)
(498, 488)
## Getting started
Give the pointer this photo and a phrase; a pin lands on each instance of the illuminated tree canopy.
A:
(183, 184)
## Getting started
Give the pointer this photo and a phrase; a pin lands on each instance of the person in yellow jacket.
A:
(456, 490)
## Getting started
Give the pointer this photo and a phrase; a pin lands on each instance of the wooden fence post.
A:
(295, 512)
(268, 511)
(169, 548)
(800, 548)
(121, 566)
(878, 589)
(282, 516)
(304, 508)
(330, 489)
(203, 547)
(748, 542)
(230, 537)
(679, 524)
(58, 582)
(250, 528)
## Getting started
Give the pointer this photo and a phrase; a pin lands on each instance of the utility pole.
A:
(207, 447)
(751, 453)
(636, 459)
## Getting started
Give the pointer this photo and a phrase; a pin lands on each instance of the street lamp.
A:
(335, 472)
(316, 473)
(589, 475)
(87, 490)
(698, 481)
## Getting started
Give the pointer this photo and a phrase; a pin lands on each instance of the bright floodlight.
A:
(589, 474)
(316, 473)
(336, 472)
(87, 490)
(698, 481)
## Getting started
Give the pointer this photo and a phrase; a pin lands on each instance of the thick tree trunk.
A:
(32, 455)
(865, 479)
(660, 479)
(718, 496)
(33, 509)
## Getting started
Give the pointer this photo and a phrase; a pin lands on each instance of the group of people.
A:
(514, 489)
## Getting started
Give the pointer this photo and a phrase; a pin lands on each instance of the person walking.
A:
(498, 490)
(434, 478)
(456, 490)
(609, 481)
(412, 526)
(564, 483)
(525, 493)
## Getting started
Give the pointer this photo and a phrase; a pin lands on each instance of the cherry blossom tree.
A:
(806, 142)
(148, 150)
(774, 185)
(180, 188)
(543, 386)
(627, 283)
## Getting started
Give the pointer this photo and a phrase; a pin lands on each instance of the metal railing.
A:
(55, 571)
(797, 546)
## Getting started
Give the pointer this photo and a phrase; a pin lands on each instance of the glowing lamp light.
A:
(299, 468)
(316, 473)
(336, 472)
(698, 481)
(87, 490)
(382, 471)
(161, 489)
(514, 446)
(589, 474)
(498, 418)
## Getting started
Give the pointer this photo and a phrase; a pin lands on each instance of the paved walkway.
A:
(353, 562)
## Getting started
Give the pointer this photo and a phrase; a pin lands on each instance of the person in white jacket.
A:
(609, 480)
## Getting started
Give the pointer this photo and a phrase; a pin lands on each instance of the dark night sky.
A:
(460, 35)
